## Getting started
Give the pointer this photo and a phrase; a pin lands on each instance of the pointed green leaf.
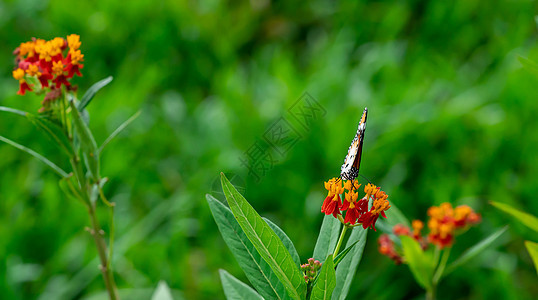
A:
(529, 65)
(420, 263)
(13, 110)
(266, 242)
(286, 241)
(257, 270)
(234, 289)
(162, 292)
(326, 281)
(343, 254)
(55, 132)
(475, 250)
(533, 251)
(87, 143)
(348, 266)
(36, 155)
(118, 130)
(88, 96)
(327, 238)
(525, 218)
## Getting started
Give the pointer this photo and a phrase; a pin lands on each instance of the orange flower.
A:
(444, 220)
(380, 205)
(332, 202)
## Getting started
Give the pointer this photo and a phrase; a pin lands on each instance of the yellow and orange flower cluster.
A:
(52, 63)
(443, 225)
(445, 220)
(356, 209)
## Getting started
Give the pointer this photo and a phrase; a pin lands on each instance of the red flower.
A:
(332, 202)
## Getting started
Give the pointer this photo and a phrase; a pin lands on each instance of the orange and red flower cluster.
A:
(357, 209)
(443, 225)
(51, 63)
(445, 220)
(310, 269)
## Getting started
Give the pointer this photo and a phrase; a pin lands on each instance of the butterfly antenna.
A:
(365, 178)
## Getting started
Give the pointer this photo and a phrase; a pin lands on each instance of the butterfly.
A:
(352, 162)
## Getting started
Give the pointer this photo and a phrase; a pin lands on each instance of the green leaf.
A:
(118, 130)
(327, 238)
(525, 218)
(36, 155)
(257, 270)
(87, 143)
(528, 65)
(348, 266)
(286, 241)
(12, 110)
(234, 289)
(325, 282)
(533, 251)
(88, 96)
(162, 292)
(343, 254)
(475, 250)
(269, 246)
(64, 184)
(395, 216)
(55, 132)
(420, 263)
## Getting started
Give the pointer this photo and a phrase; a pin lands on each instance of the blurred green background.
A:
(452, 117)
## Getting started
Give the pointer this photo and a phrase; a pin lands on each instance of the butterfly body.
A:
(351, 165)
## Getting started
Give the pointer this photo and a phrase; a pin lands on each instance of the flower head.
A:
(445, 220)
(48, 62)
(310, 269)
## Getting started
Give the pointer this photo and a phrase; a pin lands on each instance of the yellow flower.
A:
(73, 41)
(18, 74)
(58, 67)
(33, 70)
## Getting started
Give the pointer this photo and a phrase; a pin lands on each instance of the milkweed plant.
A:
(274, 268)
(47, 68)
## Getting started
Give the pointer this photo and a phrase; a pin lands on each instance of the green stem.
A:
(441, 267)
(111, 206)
(340, 240)
(430, 293)
(97, 234)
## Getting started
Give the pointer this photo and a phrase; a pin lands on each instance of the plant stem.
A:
(342, 234)
(97, 234)
(441, 267)
(430, 293)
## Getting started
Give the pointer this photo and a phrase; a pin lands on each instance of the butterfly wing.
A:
(351, 166)
(360, 137)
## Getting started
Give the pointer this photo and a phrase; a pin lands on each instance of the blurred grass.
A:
(452, 118)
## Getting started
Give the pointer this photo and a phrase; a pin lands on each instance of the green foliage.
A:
(234, 289)
(90, 93)
(257, 270)
(474, 251)
(327, 238)
(533, 251)
(266, 242)
(420, 263)
(346, 269)
(525, 218)
(325, 282)
(286, 241)
(162, 292)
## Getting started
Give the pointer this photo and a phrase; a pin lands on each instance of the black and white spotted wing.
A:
(350, 168)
